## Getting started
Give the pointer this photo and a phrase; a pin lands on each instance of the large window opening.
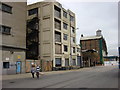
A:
(58, 62)
(6, 65)
(57, 11)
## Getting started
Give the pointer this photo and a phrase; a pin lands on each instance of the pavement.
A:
(28, 75)
(94, 77)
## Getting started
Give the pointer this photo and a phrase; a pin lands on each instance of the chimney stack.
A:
(98, 33)
(81, 35)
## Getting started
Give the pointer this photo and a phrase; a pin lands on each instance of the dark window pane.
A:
(72, 29)
(6, 8)
(65, 14)
(57, 11)
(57, 62)
(72, 18)
(5, 64)
(65, 48)
(73, 39)
(33, 11)
(5, 29)
(65, 26)
(73, 49)
(65, 36)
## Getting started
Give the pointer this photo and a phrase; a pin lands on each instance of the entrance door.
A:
(18, 65)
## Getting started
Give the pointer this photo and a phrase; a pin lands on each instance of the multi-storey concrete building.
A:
(93, 49)
(13, 33)
(51, 36)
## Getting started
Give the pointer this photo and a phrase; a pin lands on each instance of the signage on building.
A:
(19, 57)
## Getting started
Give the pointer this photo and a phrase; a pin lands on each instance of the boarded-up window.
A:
(58, 49)
(66, 62)
(57, 37)
(74, 62)
(57, 24)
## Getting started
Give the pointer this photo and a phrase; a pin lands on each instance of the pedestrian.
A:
(37, 71)
(33, 70)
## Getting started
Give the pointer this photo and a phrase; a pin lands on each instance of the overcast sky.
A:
(91, 16)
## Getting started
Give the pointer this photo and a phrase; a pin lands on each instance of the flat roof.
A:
(90, 37)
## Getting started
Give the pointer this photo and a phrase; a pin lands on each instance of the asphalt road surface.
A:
(95, 77)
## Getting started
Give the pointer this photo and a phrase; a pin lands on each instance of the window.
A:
(65, 26)
(74, 62)
(73, 49)
(78, 49)
(65, 36)
(57, 62)
(72, 29)
(5, 29)
(57, 37)
(57, 24)
(33, 11)
(64, 14)
(6, 65)
(73, 39)
(66, 62)
(6, 8)
(72, 18)
(57, 11)
(65, 48)
(58, 49)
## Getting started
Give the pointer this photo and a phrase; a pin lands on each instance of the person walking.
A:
(37, 71)
(33, 70)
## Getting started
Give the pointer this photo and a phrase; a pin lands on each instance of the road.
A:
(95, 77)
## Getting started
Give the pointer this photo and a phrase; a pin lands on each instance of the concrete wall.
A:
(17, 22)
(47, 32)
(15, 43)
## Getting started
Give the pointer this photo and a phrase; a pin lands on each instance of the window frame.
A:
(6, 67)
(66, 61)
(3, 28)
(72, 18)
(64, 14)
(58, 64)
(73, 39)
(65, 36)
(57, 11)
(3, 5)
(35, 12)
(65, 48)
(65, 25)
(73, 49)
(56, 22)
